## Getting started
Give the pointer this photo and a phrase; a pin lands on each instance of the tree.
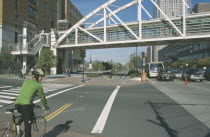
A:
(7, 57)
(97, 65)
(47, 60)
(133, 61)
(204, 62)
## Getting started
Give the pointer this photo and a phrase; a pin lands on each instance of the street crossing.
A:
(8, 94)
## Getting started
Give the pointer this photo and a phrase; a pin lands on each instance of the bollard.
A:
(186, 81)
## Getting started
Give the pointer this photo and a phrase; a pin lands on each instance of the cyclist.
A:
(24, 103)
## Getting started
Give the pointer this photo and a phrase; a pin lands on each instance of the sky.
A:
(120, 55)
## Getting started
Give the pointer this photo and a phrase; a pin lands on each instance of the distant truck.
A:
(152, 68)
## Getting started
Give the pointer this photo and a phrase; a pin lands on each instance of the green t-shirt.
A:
(28, 91)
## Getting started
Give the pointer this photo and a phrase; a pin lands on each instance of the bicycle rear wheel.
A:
(39, 126)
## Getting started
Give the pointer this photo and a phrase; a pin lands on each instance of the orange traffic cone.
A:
(186, 81)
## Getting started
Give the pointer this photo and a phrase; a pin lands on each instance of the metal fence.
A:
(7, 72)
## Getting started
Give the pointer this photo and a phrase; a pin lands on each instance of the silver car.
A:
(193, 74)
(177, 73)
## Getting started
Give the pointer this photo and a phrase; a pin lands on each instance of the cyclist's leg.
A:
(28, 117)
(18, 107)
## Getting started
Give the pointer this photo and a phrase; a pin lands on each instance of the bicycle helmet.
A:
(36, 73)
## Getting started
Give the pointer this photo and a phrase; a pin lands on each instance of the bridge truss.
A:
(111, 31)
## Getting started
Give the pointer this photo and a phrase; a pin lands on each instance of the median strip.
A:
(58, 111)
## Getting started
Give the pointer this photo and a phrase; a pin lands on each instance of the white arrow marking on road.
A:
(105, 113)
(7, 97)
(36, 101)
(4, 93)
(6, 101)
(6, 87)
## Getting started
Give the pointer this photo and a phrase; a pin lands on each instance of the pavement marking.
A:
(152, 81)
(4, 93)
(12, 90)
(6, 101)
(8, 97)
(6, 87)
(36, 101)
(125, 75)
(105, 113)
(54, 114)
(1, 106)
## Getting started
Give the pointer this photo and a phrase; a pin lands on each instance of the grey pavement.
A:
(194, 97)
(140, 109)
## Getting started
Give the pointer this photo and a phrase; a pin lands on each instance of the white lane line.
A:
(50, 89)
(6, 101)
(152, 81)
(16, 91)
(36, 101)
(8, 97)
(125, 75)
(1, 106)
(105, 113)
(6, 87)
(4, 93)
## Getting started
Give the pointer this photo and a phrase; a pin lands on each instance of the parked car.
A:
(193, 74)
(177, 73)
(165, 74)
(207, 74)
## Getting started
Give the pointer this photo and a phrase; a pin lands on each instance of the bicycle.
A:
(38, 125)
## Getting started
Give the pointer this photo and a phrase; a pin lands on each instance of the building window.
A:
(32, 13)
(16, 37)
(33, 1)
(16, 19)
(45, 19)
(45, 4)
(16, 4)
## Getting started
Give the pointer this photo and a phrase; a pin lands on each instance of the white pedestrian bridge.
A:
(110, 31)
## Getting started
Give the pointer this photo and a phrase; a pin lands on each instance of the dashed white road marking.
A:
(4, 93)
(12, 90)
(105, 113)
(6, 87)
(6, 101)
(8, 97)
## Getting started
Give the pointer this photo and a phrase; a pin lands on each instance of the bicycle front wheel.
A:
(39, 126)
(8, 133)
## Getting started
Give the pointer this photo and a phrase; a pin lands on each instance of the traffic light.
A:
(143, 54)
(82, 53)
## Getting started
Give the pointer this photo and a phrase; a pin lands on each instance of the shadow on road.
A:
(59, 129)
(171, 132)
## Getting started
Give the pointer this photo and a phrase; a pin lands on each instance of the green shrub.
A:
(133, 73)
(93, 75)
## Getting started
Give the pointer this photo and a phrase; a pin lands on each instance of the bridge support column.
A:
(53, 70)
(24, 48)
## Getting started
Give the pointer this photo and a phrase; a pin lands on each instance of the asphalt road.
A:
(144, 110)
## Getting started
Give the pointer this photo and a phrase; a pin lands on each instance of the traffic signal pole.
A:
(83, 70)
(83, 55)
